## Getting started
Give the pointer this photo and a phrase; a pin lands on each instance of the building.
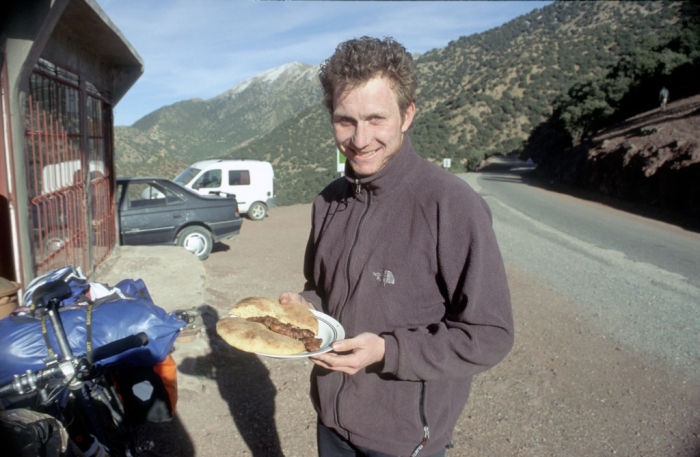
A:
(64, 66)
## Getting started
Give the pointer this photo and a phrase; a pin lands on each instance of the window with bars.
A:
(69, 170)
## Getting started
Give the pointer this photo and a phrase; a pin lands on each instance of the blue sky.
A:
(200, 49)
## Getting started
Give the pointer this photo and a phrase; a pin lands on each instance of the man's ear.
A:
(408, 117)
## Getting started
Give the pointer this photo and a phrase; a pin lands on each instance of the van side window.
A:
(211, 178)
(239, 178)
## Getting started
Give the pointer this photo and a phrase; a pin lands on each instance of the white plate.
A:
(329, 330)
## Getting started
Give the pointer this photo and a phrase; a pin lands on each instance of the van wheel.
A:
(257, 211)
(197, 240)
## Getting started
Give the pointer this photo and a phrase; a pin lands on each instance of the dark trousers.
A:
(330, 444)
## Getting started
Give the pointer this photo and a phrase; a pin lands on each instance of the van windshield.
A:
(187, 176)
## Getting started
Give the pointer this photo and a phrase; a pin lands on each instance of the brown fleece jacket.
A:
(408, 253)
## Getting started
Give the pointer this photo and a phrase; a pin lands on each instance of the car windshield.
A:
(186, 176)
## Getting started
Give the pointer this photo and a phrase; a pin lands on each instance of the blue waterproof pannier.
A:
(126, 310)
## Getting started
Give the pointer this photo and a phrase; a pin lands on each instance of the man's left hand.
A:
(353, 354)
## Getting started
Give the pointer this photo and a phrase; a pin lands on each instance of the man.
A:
(663, 97)
(403, 255)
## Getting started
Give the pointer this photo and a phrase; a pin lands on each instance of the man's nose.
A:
(362, 136)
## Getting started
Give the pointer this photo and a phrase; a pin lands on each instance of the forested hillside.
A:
(303, 154)
(670, 58)
(169, 139)
(481, 95)
(609, 134)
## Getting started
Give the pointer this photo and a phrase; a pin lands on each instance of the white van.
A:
(251, 181)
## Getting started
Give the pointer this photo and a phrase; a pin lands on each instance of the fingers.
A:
(353, 354)
(344, 363)
(286, 298)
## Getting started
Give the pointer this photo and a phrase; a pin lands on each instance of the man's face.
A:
(368, 126)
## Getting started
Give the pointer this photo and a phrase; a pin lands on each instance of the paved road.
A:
(637, 277)
(641, 240)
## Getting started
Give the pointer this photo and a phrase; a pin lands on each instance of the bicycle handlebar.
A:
(32, 380)
(29, 381)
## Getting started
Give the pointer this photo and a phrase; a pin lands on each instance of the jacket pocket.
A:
(381, 409)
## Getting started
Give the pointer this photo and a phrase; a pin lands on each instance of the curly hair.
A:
(357, 61)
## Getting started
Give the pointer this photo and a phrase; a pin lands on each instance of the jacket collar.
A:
(389, 177)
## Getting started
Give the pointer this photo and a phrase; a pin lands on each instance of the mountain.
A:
(480, 95)
(169, 139)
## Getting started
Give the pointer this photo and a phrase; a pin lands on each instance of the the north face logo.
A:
(387, 277)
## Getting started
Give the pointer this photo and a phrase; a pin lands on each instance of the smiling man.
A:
(402, 253)
(369, 125)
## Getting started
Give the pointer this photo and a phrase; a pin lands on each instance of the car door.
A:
(150, 213)
(208, 182)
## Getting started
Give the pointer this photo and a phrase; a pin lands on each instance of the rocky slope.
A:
(652, 158)
(171, 138)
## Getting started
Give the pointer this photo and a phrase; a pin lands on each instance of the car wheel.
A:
(197, 240)
(257, 211)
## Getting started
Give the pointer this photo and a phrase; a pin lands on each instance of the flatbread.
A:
(255, 337)
(256, 307)
(291, 313)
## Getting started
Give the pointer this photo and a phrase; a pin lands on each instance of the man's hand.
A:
(352, 355)
(292, 297)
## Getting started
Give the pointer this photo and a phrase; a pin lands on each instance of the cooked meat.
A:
(312, 343)
(297, 333)
(265, 320)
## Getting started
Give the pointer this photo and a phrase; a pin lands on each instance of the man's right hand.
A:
(293, 297)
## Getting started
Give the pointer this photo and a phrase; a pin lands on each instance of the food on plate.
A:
(262, 325)
(304, 335)
(292, 313)
(255, 337)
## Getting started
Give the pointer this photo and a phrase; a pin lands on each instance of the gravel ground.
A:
(571, 386)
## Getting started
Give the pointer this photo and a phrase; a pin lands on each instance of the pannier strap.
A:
(88, 325)
(45, 334)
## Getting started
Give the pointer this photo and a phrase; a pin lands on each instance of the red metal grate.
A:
(69, 171)
(103, 228)
(57, 194)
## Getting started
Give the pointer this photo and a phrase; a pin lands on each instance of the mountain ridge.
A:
(195, 129)
(297, 69)
(478, 96)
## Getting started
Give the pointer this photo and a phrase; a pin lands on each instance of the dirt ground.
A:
(564, 390)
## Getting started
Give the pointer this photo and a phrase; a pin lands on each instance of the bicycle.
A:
(75, 390)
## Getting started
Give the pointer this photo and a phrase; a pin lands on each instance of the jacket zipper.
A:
(358, 189)
(423, 420)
